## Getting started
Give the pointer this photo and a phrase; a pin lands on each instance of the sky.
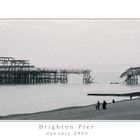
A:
(72, 43)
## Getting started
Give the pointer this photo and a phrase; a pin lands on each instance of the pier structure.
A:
(87, 78)
(132, 75)
(14, 71)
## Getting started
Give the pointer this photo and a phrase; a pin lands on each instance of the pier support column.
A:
(136, 79)
(132, 80)
(86, 78)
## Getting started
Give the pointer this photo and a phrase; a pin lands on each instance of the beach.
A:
(121, 110)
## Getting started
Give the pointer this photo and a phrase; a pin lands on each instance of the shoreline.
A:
(121, 110)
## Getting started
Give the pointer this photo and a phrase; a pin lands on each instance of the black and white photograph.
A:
(68, 69)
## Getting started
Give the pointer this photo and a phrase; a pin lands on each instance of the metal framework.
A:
(14, 71)
(131, 75)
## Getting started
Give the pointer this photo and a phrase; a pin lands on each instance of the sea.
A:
(18, 99)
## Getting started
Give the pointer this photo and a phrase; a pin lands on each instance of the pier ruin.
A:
(132, 75)
(14, 71)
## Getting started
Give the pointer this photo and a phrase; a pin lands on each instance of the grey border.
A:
(39, 19)
(69, 19)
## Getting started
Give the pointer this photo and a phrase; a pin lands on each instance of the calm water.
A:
(33, 98)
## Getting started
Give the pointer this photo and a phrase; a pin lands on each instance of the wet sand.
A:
(122, 110)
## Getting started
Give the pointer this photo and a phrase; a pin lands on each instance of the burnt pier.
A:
(132, 74)
(14, 71)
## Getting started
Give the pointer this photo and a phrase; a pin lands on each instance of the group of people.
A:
(99, 104)
(103, 104)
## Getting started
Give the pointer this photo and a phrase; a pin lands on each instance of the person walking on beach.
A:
(104, 104)
(98, 106)
(131, 97)
(113, 101)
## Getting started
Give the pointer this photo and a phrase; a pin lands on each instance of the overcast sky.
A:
(72, 43)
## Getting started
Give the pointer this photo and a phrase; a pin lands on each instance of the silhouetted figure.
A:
(104, 104)
(113, 101)
(98, 106)
(130, 97)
